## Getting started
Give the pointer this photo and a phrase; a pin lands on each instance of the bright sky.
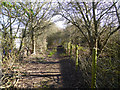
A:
(59, 21)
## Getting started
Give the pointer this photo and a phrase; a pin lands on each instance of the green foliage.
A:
(51, 53)
(54, 38)
(10, 4)
(63, 54)
(4, 3)
(81, 48)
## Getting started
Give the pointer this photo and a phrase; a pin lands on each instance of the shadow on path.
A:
(70, 77)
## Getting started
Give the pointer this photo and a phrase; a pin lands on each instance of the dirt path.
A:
(49, 72)
(39, 72)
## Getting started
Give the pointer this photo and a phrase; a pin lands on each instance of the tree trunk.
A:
(33, 42)
(11, 32)
(76, 52)
(94, 64)
(70, 49)
(32, 38)
(34, 46)
(20, 45)
(94, 52)
(0, 62)
(23, 35)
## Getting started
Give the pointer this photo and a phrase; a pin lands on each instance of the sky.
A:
(59, 21)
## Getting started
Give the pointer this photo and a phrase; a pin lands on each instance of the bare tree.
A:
(93, 19)
(8, 20)
(37, 13)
